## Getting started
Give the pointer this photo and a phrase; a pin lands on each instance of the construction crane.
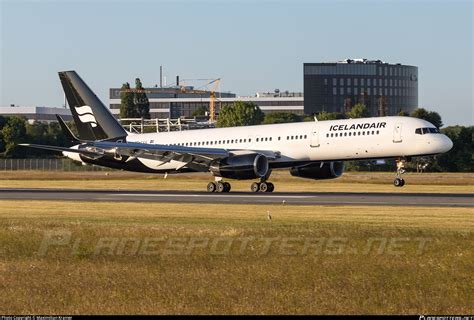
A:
(212, 95)
(186, 89)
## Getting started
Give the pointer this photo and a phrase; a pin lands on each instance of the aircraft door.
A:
(315, 137)
(397, 132)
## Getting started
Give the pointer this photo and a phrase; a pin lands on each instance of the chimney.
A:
(161, 76)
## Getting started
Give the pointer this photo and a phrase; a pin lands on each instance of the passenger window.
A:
(425, 130)
(305, 136)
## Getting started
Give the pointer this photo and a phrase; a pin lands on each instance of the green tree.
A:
(460, 157)
(14, 132)
(200, 111)
(430, 116)
(142, 105)
(3, 121)
(240, 114)
(358, 111)
(281, 117)
(127, 105)
(403, 113)
(37, 133)
(324, 115)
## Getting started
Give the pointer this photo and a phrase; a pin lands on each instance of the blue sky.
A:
(254, 46)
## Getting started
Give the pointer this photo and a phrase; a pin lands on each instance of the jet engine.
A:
(316, 171)
(241, 167)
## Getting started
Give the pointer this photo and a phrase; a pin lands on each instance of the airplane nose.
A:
(447, 143)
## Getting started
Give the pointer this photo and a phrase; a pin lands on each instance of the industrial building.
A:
(386, 89)
(176, 103)
(39, 113)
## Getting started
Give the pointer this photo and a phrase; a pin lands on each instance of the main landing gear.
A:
(262, 186)
(218, 186)
(399, 181)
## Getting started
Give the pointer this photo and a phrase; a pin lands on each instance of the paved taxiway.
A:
(306, 198)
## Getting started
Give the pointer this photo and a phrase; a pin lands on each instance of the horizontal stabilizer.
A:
(67, 132)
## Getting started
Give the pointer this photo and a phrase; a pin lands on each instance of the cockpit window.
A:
(426, 130)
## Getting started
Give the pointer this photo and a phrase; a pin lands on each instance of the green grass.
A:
(353, 274)
(350, 182)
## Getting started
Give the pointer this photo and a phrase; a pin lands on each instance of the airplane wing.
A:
(198, 159)
(195, 158)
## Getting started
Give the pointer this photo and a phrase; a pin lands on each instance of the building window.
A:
(368, 82)
(341, 90)
(362, 82)
(341, 82)
(348, 81)
(334, 90)
(334, 81)
(355, 82)
(325, 81)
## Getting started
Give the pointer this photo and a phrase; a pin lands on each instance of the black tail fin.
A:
(92, 118)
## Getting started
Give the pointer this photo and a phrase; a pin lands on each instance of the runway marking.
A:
(207, 195)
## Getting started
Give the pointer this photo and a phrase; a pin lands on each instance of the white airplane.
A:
(313, 150)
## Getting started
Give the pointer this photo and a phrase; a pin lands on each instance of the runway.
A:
(307, 198)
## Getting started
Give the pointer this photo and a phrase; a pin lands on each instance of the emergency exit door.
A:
(397, 132)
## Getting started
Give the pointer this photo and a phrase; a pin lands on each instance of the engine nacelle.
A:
(241, 167)
(329, 170)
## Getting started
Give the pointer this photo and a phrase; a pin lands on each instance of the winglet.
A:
(67, 132)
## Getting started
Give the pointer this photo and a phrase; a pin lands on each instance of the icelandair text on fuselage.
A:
(359, 126)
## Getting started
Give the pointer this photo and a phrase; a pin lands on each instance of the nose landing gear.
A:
(399, 181)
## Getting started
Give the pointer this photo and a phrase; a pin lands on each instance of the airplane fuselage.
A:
(298, 143)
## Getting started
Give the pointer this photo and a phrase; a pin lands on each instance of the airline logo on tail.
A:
(86, 116)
